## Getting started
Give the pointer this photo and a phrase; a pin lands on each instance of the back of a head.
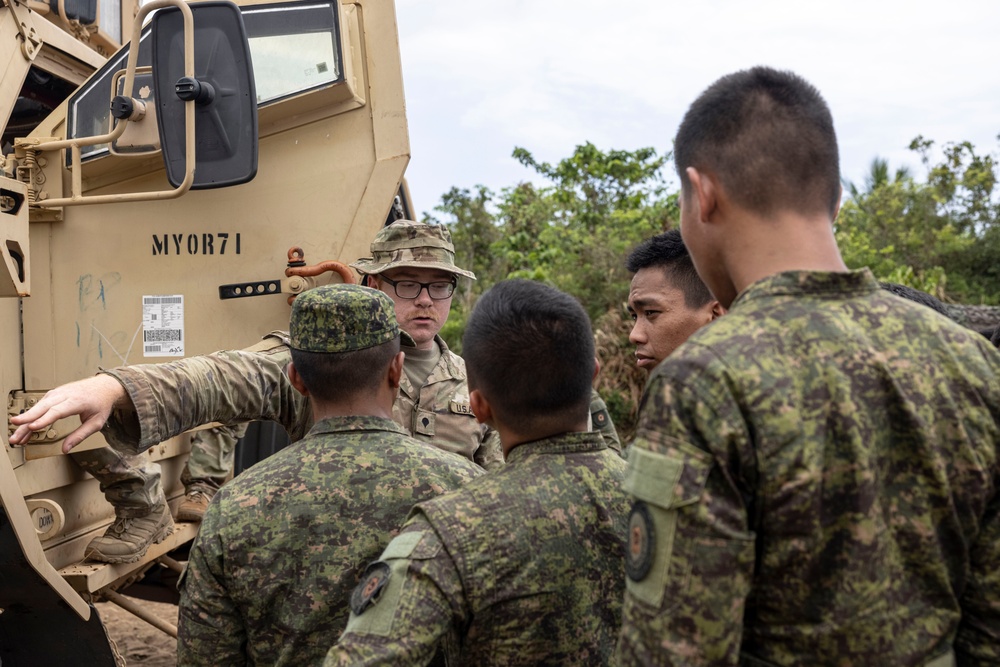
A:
(342, 340)
(530, 349)
(667, 252)
(768, 137)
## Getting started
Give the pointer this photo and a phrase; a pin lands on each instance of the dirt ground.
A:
(137, 641)
(141, 644)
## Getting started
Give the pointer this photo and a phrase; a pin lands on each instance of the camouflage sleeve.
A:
(209, 626)
(489, 455)
(228, 387)
(600, 421)
(690, 554)
(406, 603)
(978, 640)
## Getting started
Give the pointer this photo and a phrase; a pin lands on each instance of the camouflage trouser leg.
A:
(130, 482)
(212, 453)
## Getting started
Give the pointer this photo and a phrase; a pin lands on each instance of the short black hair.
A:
(768, 137)
(530, 349)
(917, 296)
(668, 252)
(335, 376)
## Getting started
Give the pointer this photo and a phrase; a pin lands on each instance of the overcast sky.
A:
(547, 75)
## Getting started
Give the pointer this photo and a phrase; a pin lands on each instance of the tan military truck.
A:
(151, 205)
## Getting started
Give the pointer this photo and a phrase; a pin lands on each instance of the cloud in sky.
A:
(482, 78)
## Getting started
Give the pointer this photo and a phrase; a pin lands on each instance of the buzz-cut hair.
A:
(668, 253)
(336, 376)
(768, 137)
(530, 349)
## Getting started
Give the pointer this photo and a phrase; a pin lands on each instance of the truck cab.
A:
(100, 271)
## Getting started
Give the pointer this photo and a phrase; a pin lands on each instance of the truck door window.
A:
(111, 18)
(294, 48)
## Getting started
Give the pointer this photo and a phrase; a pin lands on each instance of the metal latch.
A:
(19, 401)
(298, 278)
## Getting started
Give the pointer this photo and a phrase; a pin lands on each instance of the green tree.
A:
(941, 235)
(573, 231)
(576, 231)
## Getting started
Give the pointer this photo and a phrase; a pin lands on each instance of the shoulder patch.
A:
(600, 418)
(367, 592)
(641, 538)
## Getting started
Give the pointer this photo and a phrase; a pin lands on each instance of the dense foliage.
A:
(941, 235)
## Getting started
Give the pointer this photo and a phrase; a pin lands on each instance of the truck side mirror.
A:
(84, 11)
(222, 89)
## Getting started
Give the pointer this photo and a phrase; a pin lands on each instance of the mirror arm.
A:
(76, 144)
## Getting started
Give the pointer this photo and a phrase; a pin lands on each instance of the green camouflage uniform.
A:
(600, 421)
(815, 477)
(283, 544)
(520, 567)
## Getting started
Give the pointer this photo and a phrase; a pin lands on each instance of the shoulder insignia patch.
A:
(641, 537)
(600, 418)
(368, 591)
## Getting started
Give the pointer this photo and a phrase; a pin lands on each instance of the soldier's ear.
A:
(296, 379)
(480, 407)
(395, 372)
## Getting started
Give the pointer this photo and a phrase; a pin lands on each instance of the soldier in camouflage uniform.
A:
(814, 474)
(414, 264)
(282, 545)
(522, 566)
(667, 300)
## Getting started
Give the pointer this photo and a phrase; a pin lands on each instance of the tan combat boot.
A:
(195, 503)
(128, 538)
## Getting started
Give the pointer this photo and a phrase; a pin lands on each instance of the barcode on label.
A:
(161, 335)
(152, 300)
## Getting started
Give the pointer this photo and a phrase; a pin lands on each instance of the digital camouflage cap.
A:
(342, 318)
(409, 243)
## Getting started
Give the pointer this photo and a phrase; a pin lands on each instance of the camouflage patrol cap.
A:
(409, 243)
(342, 318)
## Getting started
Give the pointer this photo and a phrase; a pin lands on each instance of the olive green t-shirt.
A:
(419, 363)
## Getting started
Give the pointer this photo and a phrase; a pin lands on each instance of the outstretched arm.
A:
(159, 401)
(92, 399)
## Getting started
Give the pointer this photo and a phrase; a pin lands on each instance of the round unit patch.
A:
(367, 592)
(641, 538)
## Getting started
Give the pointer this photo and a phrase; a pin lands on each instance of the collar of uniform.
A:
(453, 362)
(836, 284)
(449, 367)
(354, 423)
(567, 443)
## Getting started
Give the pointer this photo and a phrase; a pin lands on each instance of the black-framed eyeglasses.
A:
(410, 289)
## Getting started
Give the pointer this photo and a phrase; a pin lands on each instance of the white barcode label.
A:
(163, 326)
